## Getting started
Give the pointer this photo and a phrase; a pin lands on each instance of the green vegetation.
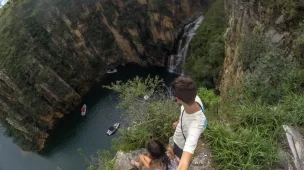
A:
(211, 102)
(246, 132)
(245, 128)
(161, 4)
(241, 148)
(253, 46)
(146, 119)
(207, 48)
(210, 99)
(248, 138)
(289, 8)
(149, 119)
(37, 47)
(271, 74)
(18, 138)
(253, 134)
(299, 46)
(132, 16)
(102, 161)
(28, 35)
(98, 33)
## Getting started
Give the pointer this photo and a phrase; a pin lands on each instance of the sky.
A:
(2, 2)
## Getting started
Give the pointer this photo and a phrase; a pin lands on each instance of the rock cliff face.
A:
(51, 52)
(278, 21)
(201, 161)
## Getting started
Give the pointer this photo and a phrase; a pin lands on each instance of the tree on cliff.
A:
(147, 116)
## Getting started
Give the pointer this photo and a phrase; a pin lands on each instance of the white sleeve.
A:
(198, 99)
(191, 142)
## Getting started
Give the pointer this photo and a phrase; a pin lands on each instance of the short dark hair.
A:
(184, 88)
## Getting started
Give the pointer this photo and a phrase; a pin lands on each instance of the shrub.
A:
(243, 148)
(209, 98)
(269, 97)
(270, 75)
(271, 117)
(252, 47)
(161, 4)
(268, 119)
(299, 47)
(104, 160)
(252, 139)
(293, 105)
(211, 103)
(147, 119)
(290, 8)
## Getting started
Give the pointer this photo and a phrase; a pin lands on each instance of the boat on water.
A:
(113, 129)
(112, 71)
(148, 95)
(84, 110)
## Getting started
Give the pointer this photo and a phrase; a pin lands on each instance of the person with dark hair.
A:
(158, 157)
(192, 121)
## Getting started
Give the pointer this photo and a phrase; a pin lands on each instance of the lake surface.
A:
(87, 133)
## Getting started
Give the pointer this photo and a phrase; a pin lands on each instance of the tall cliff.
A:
(52, 51)
(253, 26)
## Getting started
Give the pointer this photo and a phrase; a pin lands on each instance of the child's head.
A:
(156, 149)
(184, 89)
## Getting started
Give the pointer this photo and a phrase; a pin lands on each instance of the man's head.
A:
(184, 89)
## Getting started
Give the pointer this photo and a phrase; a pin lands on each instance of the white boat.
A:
(84, 110)
(148, 95)
(113, 129)
(111, 71)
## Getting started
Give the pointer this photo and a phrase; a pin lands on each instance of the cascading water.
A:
(2, 3)
(178, 60)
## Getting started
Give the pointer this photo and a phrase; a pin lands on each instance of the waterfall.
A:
(178, 60)
(2, 3)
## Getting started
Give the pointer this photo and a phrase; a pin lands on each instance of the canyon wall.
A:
(51, 52)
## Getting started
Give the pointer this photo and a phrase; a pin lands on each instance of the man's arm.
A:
(190, 145)
(185, 161)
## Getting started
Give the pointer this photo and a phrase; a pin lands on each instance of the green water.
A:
(88, 133)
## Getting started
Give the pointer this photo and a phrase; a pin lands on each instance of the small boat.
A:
(111, 71)
(148, 95)
(113, 129)
(84, 110)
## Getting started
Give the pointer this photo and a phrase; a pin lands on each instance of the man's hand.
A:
(185, 161)
(175, 124)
